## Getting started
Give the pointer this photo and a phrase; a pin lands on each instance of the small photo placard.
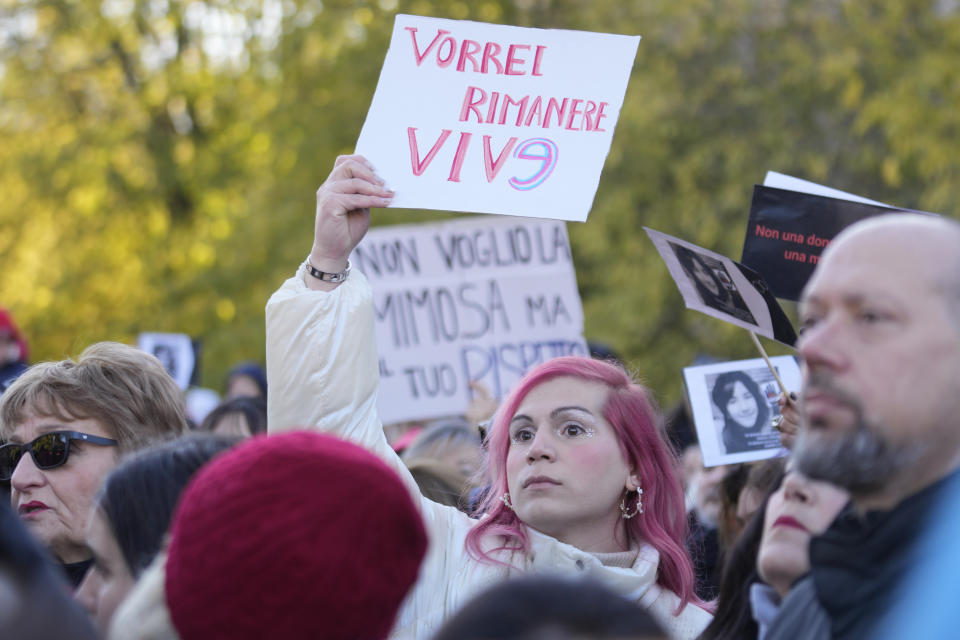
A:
(714, 284)
(175, 352)
(734, 404)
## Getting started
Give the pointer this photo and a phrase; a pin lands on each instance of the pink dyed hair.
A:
(632, 414)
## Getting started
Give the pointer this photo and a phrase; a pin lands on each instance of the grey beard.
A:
(860, 461)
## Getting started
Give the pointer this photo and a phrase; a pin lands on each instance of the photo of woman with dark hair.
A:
(745, 412)
(714, 285)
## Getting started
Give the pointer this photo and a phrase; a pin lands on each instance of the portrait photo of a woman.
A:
(713, 284)
(745, 413)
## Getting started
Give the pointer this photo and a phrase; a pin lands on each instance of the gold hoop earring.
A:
(505, 498)
(625, 511)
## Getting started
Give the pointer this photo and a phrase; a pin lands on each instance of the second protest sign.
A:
(474, 299)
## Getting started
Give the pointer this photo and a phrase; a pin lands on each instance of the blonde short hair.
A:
(125, 389)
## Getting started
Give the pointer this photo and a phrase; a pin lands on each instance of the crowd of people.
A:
(570, 509)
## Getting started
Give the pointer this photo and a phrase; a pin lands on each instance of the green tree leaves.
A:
(159, 158)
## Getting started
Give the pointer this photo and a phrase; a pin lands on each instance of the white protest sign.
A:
(783, 181)
(470, 299)
(175, 352)
(733, 405)
(490, 118)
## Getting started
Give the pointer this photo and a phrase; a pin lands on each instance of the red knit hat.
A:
(297, 535)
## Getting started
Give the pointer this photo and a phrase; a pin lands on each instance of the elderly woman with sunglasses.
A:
(64, 425)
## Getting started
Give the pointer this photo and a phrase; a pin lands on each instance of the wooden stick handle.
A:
(766, 359)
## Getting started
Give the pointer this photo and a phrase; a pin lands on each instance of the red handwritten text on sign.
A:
(445, 48)
(496, 107)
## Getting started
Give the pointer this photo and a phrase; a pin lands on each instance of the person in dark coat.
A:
(880, 343)
(13, 350)
(34, 603)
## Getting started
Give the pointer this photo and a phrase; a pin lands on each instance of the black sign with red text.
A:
(788, 230)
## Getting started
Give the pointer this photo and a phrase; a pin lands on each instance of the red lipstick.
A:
(789, 521)
(31, 508)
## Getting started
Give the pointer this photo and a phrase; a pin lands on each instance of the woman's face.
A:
(233, 425)
(466, 457)
(742, 406)
(705, 278)
(109, 581)
(565, 471)
(243, 385)
(9, 347)
(55, 504)
(800, 509)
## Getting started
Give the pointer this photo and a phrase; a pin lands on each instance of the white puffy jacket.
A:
(323, 374)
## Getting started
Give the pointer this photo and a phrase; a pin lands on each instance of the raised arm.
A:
(321, 354)
(343, 215)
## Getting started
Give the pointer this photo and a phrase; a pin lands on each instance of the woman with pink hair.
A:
(581, 480)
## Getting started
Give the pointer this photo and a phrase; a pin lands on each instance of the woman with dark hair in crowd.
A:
(796, 512)
(582, 480)
(771, 554)
(241, 416)
(132, 514)
(734, 619)
(742, 490)
(33, 603)
(745, 411)
(713, 292)
(246, 379)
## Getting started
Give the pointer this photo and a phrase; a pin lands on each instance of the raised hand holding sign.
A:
(343, 216)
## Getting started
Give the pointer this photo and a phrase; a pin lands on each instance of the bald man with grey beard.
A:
(880, 410)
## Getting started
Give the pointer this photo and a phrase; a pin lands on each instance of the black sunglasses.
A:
(49, 451)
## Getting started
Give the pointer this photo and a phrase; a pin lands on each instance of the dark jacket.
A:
(10, 372)
(801, 616)
(856, 566)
